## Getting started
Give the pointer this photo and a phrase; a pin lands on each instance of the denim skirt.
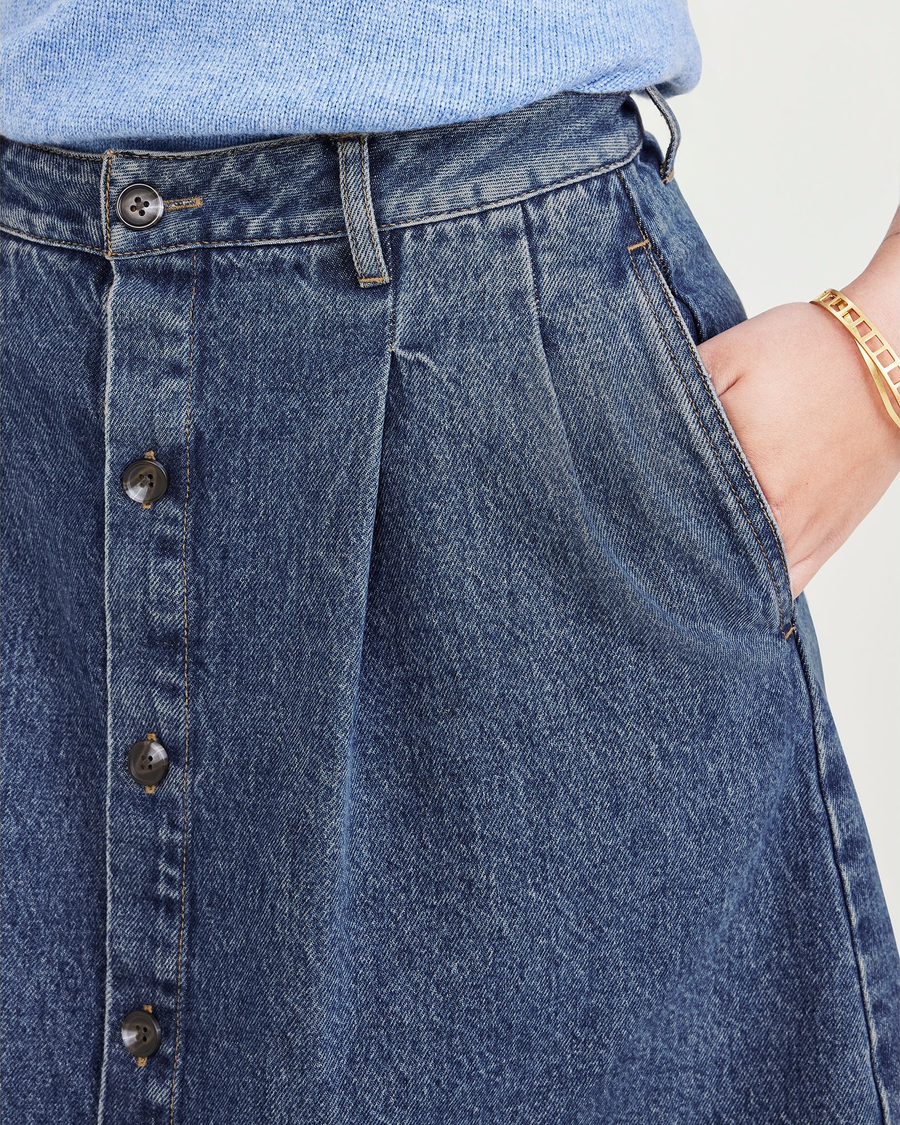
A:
(407, 716)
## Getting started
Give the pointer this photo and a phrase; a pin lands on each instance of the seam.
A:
(667, 286)
(184, 613)
(534, 287)
(229, 242)
(724, 428)
(217, 154)
(106, 218)
(367, 203)
(661, 260)
(57, 151)
(844, 883)
(667, 167)
(286, 241)
(712, 444)
(107, 998)
(52, 241)
(392, 324)
(587, 174)
(348, 207)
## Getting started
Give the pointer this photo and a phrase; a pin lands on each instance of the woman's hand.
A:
(807, 412)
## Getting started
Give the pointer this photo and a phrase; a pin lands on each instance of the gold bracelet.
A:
(880, 384)
(881, 359)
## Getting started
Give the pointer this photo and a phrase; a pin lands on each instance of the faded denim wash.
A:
(504, 783)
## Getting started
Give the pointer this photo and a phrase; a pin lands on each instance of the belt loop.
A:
(359, 215)
(667, 168)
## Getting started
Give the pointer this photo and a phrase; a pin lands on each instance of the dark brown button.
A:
(148, 762)
(139, 206)
(141, 1033)
(144, 481)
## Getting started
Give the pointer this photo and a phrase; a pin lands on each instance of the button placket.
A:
(146, 412)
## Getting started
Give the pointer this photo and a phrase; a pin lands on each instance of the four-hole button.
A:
(141, 1033)
(139, 206)
(148, 762)
(145, 480)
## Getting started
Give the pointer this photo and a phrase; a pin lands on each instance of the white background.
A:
(790, 162)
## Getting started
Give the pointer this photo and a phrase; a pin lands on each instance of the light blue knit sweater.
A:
(89, 74)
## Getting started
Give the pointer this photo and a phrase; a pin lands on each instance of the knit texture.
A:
(90, 74)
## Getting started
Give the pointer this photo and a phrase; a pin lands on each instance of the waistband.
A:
(304, 188)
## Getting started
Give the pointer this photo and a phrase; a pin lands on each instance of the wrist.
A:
(861, 395)
(875, 293)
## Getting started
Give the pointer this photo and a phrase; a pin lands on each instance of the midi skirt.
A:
(407, 717)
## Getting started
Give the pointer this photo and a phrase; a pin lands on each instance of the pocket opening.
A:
(733, 465)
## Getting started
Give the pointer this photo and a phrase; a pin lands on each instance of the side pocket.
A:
(730, 471)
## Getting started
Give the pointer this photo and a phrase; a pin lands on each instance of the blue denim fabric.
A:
(504, 782)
